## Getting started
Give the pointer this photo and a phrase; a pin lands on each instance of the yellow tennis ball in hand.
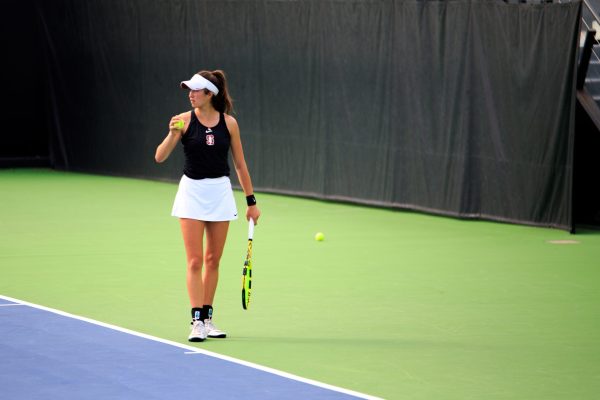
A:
(319, 237)
(179, 125)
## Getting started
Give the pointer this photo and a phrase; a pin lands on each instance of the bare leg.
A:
(193, 232)
(216, 234)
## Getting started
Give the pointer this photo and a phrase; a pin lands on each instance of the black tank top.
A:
(206, 149)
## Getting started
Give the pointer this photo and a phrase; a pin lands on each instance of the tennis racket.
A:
(247, 271)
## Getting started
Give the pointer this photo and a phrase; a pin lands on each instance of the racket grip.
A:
(250, 228)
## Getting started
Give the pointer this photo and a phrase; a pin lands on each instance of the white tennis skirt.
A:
(208, 199)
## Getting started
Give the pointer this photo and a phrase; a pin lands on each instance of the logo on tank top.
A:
(210, 138)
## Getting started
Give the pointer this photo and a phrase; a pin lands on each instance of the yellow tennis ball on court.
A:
(319, 237)
(179, 125)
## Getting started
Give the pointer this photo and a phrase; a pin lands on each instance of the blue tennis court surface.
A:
(47, 354)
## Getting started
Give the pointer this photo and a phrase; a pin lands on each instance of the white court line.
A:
(11, 305)
(195, 350)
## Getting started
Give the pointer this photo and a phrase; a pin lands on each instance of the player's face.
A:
(198, 98)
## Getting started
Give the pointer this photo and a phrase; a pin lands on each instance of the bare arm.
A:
(164, 150)
(240, 165)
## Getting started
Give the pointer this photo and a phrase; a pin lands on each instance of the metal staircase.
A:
(586, 199)
(588, 69)
(590, 30)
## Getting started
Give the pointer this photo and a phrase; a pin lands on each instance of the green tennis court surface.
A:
(394, 304)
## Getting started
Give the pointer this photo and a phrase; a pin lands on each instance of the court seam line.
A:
(196, 350)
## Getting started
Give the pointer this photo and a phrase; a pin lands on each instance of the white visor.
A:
(199, 82)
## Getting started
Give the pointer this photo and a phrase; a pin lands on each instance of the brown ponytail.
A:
(222, 102)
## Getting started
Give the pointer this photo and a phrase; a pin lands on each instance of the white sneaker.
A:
(212, 331)
(198, 333)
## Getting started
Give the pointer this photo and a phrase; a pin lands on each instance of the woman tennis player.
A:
(204, 202)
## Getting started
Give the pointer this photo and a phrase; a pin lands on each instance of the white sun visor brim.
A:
(198, 82)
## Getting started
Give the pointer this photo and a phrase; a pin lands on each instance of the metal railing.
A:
(590, 34)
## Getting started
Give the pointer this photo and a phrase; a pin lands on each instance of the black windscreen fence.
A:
(462, 108)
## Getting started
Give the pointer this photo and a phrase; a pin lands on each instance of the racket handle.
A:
(250, 228)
